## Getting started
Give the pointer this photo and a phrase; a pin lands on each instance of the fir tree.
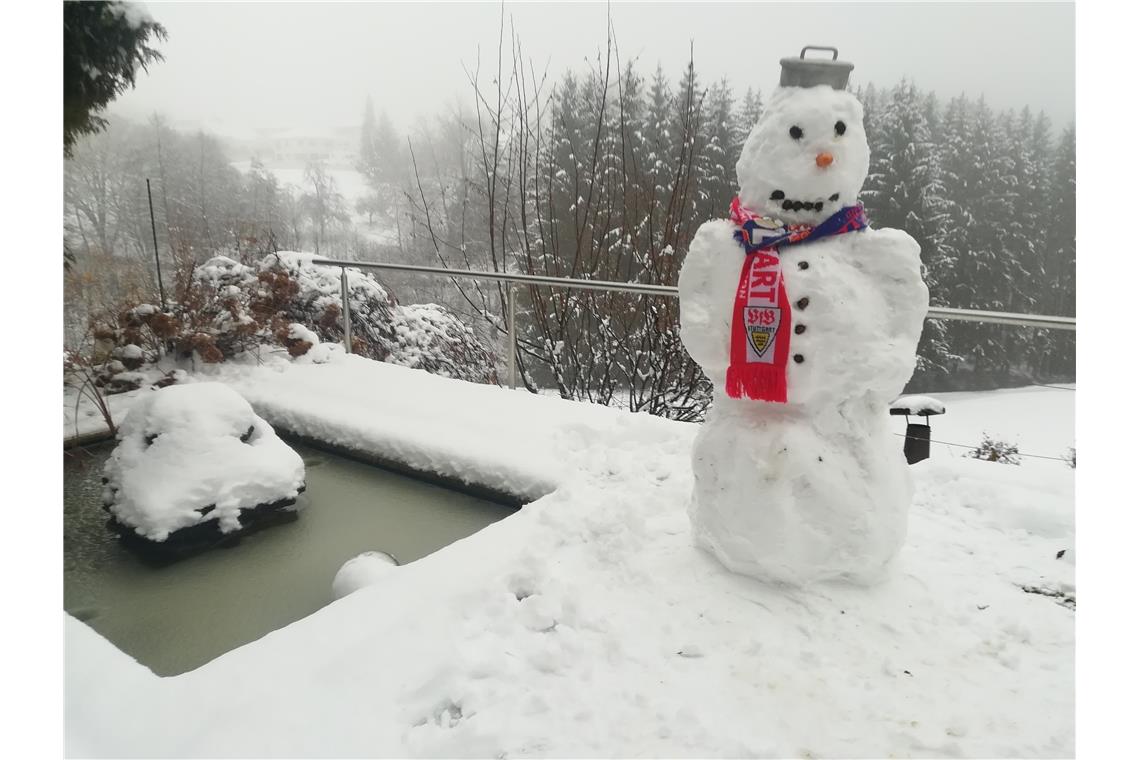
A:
(719, 150)
(751, 107)
(104, 46)
(908, 194)
(1060, 255)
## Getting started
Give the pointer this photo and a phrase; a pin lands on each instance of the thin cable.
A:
(968, 446)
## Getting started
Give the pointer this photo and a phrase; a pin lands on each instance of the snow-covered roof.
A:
(918, 405)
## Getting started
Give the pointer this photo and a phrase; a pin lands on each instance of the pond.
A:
(175, 618)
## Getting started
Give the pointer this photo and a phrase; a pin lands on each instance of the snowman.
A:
(806, 320)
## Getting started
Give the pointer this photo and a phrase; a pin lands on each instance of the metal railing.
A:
(935, 312)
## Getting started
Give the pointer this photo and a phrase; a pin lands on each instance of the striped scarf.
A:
(761, 325)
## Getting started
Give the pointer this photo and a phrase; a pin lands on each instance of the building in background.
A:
(286, 147)
(297, 146)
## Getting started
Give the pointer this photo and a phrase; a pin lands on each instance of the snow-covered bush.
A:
(294, 289)
(431, 338)
(420, 336)
(192, 454)
(209, 318)
(222, 308)
(995, 450)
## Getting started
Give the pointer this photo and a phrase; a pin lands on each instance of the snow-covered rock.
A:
(362, 570)
(193, 454)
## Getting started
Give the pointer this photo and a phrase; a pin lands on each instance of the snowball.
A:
(360, 571)
(189, 454)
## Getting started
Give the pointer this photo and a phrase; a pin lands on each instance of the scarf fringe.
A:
(758, 383)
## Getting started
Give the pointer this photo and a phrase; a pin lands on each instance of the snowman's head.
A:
(807, 157)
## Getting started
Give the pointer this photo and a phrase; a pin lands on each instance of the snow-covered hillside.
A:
(587, 624)
(349, 182)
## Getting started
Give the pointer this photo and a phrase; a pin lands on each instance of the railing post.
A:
(512, 339)
(344, 310)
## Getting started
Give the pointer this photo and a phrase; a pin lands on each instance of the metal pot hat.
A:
(809, 72)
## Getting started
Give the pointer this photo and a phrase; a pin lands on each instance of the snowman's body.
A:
(815, 488)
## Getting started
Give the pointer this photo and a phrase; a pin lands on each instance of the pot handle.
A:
(834, 51)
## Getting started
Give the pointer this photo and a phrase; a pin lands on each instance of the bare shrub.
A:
(996, 450)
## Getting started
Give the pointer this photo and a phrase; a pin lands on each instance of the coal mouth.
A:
(790, 204)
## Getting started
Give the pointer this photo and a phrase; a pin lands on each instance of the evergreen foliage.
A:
(104, 46)
(625, 168)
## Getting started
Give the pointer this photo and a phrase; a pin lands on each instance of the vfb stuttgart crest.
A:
(761, 324)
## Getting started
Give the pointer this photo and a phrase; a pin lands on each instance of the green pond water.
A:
(175, 618)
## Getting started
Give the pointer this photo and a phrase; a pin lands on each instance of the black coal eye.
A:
(840, 127)
(796, 133)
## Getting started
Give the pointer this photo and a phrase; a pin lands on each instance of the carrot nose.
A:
(823, 160)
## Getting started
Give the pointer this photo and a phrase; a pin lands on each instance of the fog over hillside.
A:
(231, 68)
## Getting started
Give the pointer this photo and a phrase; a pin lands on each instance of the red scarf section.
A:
(761, 314)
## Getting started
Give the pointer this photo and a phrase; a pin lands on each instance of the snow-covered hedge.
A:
(420, 336)
(223, 307)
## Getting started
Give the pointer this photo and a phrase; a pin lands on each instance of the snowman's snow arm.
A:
(707, 282)
(892, 260)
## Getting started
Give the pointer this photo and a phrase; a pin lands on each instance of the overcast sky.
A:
(236, 66)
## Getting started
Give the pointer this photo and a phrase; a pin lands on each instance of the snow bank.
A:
(190, 454)
(88, 659)
(511, 442)
(587, 624)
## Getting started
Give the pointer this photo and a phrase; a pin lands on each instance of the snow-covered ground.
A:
(587, 624)
(1039, 419)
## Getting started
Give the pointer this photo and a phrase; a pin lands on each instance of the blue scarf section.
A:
(846, 219)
